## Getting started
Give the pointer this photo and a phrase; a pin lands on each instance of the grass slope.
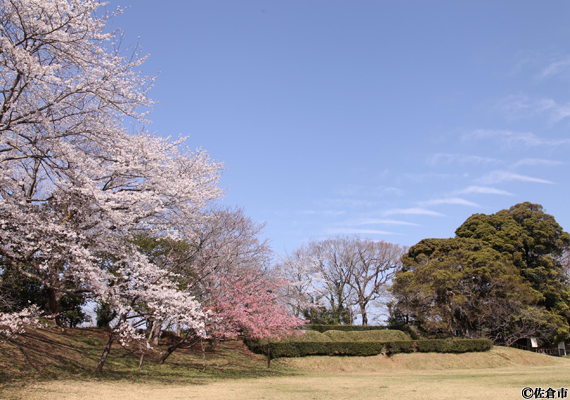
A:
(498, 357)
(53, 353)
(56, 364)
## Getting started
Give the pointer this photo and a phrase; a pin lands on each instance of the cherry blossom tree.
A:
(241, 305)
(228, 258)
(226, 242)
(75, 186)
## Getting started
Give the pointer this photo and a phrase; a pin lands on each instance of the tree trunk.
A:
(268, 353)
(173, 347)
(364, 315)
(203, 353)
(156, 327)
(52, 304)
(141, 361)
(106, 352)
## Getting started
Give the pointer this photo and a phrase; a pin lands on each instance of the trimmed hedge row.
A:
(409, 329)
(345, 328)
(301, 349)
(384, 335)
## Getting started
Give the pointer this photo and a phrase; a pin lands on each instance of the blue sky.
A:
(391, 120)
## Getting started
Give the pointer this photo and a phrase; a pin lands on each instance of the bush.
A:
(301, 349)
(384, 335)
(345, 328)
(308, 336)
(411, 330)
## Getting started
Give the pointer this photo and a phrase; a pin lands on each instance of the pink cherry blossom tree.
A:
(241, 305)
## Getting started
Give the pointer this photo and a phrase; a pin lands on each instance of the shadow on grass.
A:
(56, 354)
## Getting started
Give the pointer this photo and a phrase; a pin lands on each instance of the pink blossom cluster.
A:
(242, 305)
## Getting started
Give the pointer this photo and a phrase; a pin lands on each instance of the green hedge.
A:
(411, 330)
(324, 328)
(384, 335)
(301, 349)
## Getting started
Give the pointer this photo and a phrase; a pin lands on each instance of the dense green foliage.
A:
(533, 242)
(18, 292)
(301, 349)
(323, 316)
(501, 277)
(71, 313)
(105, 314)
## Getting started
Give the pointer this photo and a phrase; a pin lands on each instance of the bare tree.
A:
(374, 265)
(350, 273)
(300, 271)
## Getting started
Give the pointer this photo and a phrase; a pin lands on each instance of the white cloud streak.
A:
(345, 202)
(506, 176)
(483, 190)
(412, 211)
(375, 221)
(453, 200)
(322, 212)
(353, 231)
(521, 107)
(445, 158)
(512, 138)
(555, 67)
(535, 162)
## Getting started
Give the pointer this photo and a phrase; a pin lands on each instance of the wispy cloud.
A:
(353, 190)
(522, 107)
(483, 190)
(428, 176)
(412, 211)
(560, 112)
(452, 200)
(352, 231)
(376, 221)
(535, 162)
(445, 158)
(322, 212)
(345, 202)
(506, 176)
(556, 67)
(512, 138)
(515, 105)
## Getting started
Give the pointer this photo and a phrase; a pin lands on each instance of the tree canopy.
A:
(500, 277)
(90, 209)
(339, 277)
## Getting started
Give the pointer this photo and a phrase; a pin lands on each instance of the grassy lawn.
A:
(499, 383)
(53, 365)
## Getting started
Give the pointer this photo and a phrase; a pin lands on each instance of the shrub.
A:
(346, 328)
(301, 349)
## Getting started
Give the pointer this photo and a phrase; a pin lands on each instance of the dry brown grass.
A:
(497, 357)
(496, 383)
(235, 374)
